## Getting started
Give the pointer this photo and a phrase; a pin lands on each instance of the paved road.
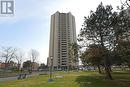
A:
(15, 78)
(12, 78)
(7, 79)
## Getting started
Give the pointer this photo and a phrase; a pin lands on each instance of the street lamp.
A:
(51, 65)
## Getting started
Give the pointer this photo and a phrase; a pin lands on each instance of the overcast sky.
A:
(29, 28)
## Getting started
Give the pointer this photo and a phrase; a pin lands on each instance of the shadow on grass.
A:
(99, 81)
(121, 73)
(89, 81)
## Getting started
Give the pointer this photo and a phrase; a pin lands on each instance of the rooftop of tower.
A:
(62, 12)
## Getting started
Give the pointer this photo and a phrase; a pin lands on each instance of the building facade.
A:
(9, 65)
(62, 33)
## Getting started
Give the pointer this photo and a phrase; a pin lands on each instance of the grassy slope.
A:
(73, 79)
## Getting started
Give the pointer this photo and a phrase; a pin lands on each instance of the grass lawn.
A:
(73, 79)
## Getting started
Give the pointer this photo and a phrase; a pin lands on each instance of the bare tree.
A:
(1, 57)
(19, 57)
(33, 55)
(7, 54)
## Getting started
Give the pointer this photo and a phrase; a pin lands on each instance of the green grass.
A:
(73, 79)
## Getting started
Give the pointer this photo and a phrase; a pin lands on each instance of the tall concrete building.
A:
(62, 33)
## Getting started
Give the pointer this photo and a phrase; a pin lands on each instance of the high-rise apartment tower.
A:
(62, 33)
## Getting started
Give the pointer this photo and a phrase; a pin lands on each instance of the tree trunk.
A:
(99, 69)
(107, 68)
(106, 61)
(124, 68)
(110, 68)
(129, 66)
(18, 66)
(68, 68)
(108, 74)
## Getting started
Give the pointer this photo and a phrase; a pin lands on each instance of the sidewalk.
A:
(14, 78)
